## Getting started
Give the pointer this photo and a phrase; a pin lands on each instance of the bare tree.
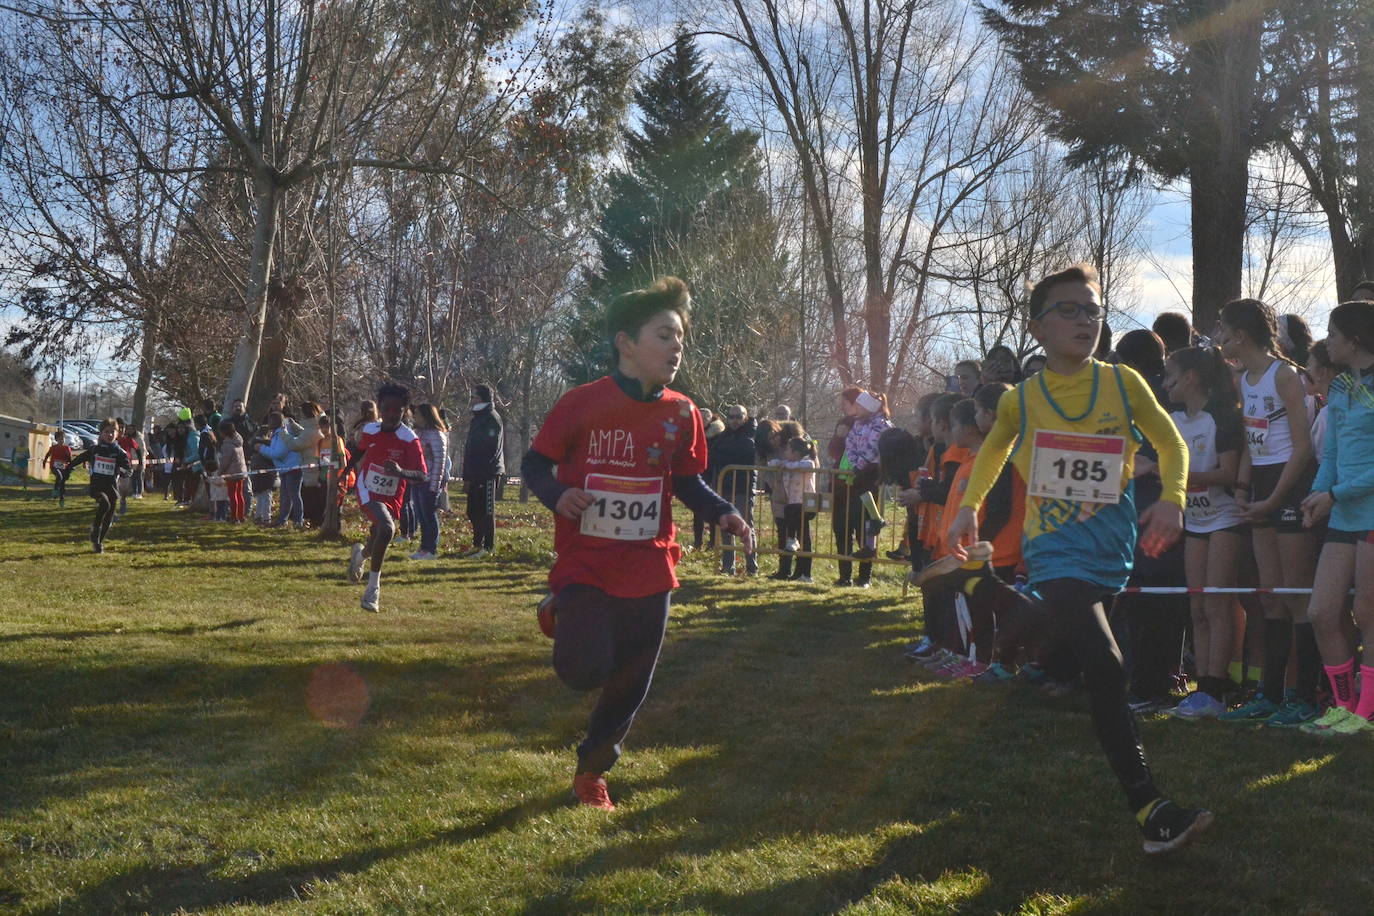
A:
(278, 94)
(898, 112)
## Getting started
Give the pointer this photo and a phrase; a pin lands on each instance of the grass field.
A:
(201, 720)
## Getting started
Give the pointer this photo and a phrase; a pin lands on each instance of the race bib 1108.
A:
(104, 466)
(1077, 466)
(623, 508)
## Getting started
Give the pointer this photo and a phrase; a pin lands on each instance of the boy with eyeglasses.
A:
(1073, 432)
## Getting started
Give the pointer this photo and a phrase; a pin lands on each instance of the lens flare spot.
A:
(337, 696)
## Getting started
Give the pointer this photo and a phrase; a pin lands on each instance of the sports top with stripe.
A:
(1209, 508)
(1266, 419)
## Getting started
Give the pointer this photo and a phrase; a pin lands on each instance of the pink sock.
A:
(1342, 678)
(1366, 707)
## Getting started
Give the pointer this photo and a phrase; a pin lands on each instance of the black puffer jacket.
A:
(736, 446)
(484, 458)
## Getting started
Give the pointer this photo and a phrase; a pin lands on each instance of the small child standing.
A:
(231, 468)
(799, 485)
(262, 481)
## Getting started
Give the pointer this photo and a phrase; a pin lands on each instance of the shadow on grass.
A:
(176, 889)
(189, 630)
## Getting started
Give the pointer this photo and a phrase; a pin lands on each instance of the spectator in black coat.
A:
(736, 446)
(484, 463)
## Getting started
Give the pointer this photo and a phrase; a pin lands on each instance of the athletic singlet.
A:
(1208, 508)
(1082, 427)
(1266, 419)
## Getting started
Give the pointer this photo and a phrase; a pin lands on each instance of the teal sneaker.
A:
(1292, 714)
(1255, 711)
(995, 674)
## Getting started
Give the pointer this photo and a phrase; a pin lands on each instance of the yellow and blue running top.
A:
(1074, 439)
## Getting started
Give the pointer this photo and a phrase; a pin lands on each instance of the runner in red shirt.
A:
(624, 446)
(129, 444)
(59, 456)
(388, 455)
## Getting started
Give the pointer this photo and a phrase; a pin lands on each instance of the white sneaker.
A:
(479, 554)
(804, 580)
(355, 565)
(424, 555)
(371, 595)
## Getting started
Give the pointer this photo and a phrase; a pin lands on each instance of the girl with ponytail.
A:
(1275, 475)
(1343, 492)
(1209, 421)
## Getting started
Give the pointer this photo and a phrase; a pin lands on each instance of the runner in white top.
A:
(1275, 474)
(1210, 424)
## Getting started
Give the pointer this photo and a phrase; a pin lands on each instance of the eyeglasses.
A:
(1071, 310)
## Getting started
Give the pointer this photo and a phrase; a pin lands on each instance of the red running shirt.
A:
(59, 456)
(625, 453)
(400, 445)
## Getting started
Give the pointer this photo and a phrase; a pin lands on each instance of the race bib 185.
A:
(1077, 466)
(624, 508)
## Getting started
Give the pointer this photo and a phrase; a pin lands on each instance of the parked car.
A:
(83, 435)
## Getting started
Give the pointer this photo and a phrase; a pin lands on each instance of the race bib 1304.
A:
(623, 508)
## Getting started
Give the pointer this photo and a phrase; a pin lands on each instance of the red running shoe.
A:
(590, 789)
(547, 614)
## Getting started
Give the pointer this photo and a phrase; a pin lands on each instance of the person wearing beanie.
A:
(484, 461)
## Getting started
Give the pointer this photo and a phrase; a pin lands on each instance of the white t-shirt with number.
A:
(1208, 508)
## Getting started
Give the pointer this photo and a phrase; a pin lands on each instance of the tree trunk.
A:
(266, 200)
(278, 326)
(146, 355)
(1225, 65)
(1218, 191)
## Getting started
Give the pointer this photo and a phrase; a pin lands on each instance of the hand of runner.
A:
(1255, 513)
(908, 497)
(1316, 507)
(963, 532)
(573, 503)
(735, 524)
(392, 467)
(1160, 526)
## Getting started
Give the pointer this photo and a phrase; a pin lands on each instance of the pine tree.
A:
(689, 202)
(1179, 86)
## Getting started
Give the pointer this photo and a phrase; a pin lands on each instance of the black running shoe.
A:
(1171, 826)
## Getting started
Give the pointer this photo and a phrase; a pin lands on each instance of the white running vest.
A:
(1266, 419)
(1209, 508)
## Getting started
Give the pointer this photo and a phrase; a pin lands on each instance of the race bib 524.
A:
(379, 482)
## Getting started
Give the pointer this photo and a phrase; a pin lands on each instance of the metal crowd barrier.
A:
(823, 503)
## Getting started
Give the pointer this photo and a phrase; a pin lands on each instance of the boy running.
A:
(108, 463)
(387, 456)
(59, 458)
(1073, 431)
(623, 446)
